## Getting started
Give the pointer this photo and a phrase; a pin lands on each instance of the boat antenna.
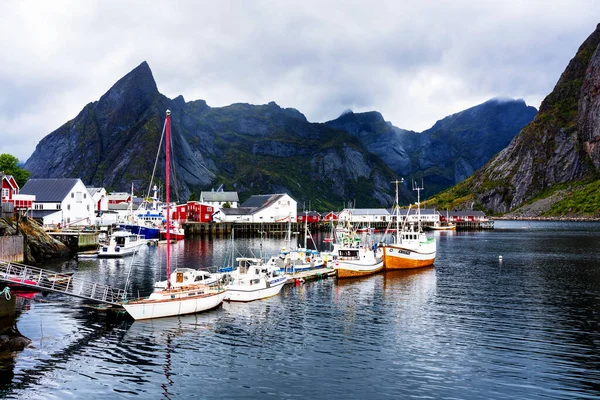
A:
(168, 196)
(418, 189)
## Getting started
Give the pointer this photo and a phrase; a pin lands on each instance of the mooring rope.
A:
(6, 293)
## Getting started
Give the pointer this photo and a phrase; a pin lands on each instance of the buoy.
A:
(500, 258)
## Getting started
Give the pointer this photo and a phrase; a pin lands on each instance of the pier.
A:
(52, 281)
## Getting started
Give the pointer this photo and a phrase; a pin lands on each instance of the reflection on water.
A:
(470, 328)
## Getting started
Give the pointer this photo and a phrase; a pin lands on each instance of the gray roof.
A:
(237, 211)
(219, 196)
(473, 213)
(93, 191)
(261, 200)
(49, 190)
(370, 211)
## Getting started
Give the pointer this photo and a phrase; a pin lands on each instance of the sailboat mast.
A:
(168, 194)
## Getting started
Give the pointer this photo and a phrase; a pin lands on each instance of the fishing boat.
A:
(445, 225)
(177, 232)
(294, 260)
(172, 301)
(411, 248)
(121, 243)
(352, 258)
(253, 280)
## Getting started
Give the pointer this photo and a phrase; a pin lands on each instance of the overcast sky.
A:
(413, 61)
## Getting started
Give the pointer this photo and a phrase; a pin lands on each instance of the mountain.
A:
(552, 166)
(254, 149)
(448, 152)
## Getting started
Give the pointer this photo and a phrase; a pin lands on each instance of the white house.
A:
(100, 198)
(364, 215)
(61, 201)
(260, 208)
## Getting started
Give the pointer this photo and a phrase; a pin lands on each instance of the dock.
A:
(310, 275)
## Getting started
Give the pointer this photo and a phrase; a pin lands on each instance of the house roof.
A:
(370, 211)
(93, 191)
(49, 190)
(261, 200)
(10, 179)
(466, 213)
(219, 196)
(237, 211)
(309, 213)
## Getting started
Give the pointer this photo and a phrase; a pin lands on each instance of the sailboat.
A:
(172, 301)
(411, 247)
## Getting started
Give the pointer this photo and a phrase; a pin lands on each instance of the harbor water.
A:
(504, 314)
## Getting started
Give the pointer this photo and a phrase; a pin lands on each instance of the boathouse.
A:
(364, 215)
(199, 212)
(309, 216)
(330, 216)
(119, 198)
(260, 208)
(61, 201)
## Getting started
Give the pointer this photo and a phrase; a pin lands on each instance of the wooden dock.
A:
(312, 275)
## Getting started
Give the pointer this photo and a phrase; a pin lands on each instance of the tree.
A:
(227, 205)
(193, 197)
(9, 164)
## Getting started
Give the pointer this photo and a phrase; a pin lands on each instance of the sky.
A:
(413, 61)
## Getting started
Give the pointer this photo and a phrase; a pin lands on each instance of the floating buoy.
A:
(500, 259)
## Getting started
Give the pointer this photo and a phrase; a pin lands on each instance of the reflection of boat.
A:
(411, 248)
(121, 243)
(173, 301)
(252, 280)
(352, 258)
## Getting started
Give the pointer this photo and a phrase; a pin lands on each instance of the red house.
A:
(180, 213)
(10, 194)
(198, 212)
(330, 216)
(311, 216)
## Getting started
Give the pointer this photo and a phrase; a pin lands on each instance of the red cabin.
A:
(310, 217)
(10, 194)
(331, 216)
(198, 212)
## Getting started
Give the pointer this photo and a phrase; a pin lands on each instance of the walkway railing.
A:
(57, 282)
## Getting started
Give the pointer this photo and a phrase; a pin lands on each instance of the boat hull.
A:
(175, 302)
(246, 293)
(397, 257)
(356, 270)
(113, 253)
(146, 231)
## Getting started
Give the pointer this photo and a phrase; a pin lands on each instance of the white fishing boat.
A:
(411, 248)
(352, 258)
(253, 280)
(121, 243)
(172, 301)
(292, 260)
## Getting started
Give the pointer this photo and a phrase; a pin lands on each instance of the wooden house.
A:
(61, 201)
(12, 195)
(199, 212)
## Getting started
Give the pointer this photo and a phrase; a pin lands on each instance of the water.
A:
(470, 328)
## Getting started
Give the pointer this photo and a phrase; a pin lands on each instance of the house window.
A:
(4, 192)
(78, 197)
(72, 195)
(88, 207)
(85, 196)
(58, 206)
(68, 206)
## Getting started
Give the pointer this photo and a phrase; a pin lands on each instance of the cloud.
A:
(415, 62)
